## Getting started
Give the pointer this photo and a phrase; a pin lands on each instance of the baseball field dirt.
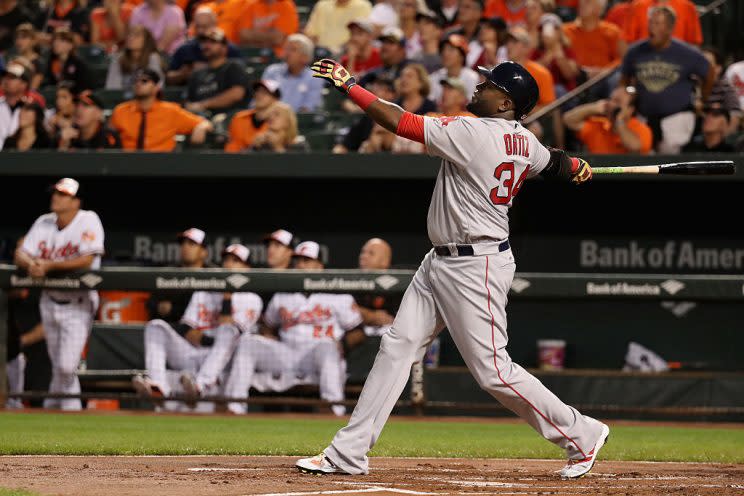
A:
(241, 475)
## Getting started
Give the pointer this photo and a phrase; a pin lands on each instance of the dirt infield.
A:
(239, 475)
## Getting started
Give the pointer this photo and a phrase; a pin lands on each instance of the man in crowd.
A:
(469, 18)
(203, 341)
(147, 123)
(89, 131)
(279, 249)
(519, 47)
(610, 126)
(723, 93)
(299, 88)
(304, 337)
(189, 57)
(430, 29)
(267, 23)
(12, 13)
(392, 54)
(222, 85)
(15, 84)
(361, 55)
(454, 98)
(716, 123)
(662, 70)
(170, 306)
(227, 15)
(687, 28)
(454, 51)
(328, 20)
(596, 44)
(65, 240)
(246, 125)
(359, 132)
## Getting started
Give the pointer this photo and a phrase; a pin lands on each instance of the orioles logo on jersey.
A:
(316, 314)
(205, 315)
(52, 253)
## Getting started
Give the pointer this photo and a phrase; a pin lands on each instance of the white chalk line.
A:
(223, 469)
(375, 489)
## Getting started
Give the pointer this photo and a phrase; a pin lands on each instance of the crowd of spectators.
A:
(159, 75)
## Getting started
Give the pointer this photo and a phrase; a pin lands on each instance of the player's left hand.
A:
(581, 171)
(335, 73)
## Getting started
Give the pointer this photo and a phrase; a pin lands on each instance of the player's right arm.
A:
(389, 115)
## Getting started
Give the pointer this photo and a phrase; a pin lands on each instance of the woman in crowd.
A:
(282, 134)
(407, 10)
(63, 112)
(164, 20)
(554, 52)
(64, 65)
(27, 46)
(31, 134)
(140, 52)
(108, 24)
(413, 88)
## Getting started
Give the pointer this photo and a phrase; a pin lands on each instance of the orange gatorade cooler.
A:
(123, 307)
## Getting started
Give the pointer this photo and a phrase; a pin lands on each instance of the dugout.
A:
(623, 227)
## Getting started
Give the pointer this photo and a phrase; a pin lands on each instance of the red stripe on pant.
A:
(498, 372)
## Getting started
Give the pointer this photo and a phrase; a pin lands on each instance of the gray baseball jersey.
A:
(484, 163)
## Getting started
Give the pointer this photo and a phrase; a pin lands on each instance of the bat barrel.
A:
(708, 168)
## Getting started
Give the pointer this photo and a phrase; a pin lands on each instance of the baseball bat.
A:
(709, 168)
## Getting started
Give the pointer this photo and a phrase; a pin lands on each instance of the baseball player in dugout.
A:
(303, 337)
(279, 249)
(378, 310)
(170, 306)
(464, 280)
(65, 240)
(203, 342)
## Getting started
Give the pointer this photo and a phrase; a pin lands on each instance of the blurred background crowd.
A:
(155, 75)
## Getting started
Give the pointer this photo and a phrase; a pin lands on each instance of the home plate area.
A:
(244, 476)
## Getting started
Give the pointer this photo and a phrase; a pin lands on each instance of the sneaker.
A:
(579, 468)
(145, 387)
(318, 464)
(190, 388)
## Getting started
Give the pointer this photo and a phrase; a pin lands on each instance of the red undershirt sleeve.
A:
(411, 126)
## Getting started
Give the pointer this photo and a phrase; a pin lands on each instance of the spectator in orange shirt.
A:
(610, 126)
(554, 52)
(361, 56)
(267, 23)
(248, 124)
(686, 29)
(148, 124)
(511, 11)
(108, 24)
(618, 13)
(519, 47)
(597, 44)
(228, 14)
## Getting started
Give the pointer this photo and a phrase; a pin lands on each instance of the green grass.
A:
(41, 433)
(16, 492)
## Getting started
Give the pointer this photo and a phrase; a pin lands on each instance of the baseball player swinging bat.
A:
(711, 168)
(463, 282)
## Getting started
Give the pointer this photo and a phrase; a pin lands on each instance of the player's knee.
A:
(326, 350)
(155, 327)
(67, 369)
(399, 345)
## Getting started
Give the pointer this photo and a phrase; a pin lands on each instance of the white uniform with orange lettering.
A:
(166, 348)
(310, 329)
(484, 164)
(67, 316)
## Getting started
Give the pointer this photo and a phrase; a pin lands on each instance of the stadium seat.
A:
(311, 121)
(174, 93)
(111, 98)
(254, 55)
(321, 141)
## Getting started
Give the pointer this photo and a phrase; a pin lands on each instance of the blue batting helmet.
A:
(515, 81)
